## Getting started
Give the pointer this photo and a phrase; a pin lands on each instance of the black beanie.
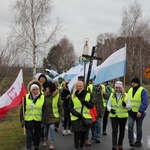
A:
(51, 85)
(136, 80)
(42, 75)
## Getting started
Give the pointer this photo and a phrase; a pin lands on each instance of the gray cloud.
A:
(81, 18)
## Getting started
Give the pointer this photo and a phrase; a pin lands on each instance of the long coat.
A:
(48, 112)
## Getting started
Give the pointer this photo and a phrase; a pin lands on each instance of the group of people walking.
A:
(48, 103)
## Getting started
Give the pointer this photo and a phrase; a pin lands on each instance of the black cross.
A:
(91, 58)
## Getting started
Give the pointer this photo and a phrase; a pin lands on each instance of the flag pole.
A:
(24, 130)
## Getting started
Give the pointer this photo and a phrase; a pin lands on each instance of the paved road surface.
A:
(66, 142)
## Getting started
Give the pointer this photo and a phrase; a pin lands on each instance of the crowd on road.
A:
(83, 111)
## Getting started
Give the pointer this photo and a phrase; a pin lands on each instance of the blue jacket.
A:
(144, 103)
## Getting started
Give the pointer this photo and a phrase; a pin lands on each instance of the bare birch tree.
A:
(135, 29)
(33, 31)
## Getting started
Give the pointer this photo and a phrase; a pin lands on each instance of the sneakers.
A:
(69, 132)
(97, 140)
(36, 148)
(137, 144)
(64, 132)
(104, 133)
(51, 146)
(45, 143)
(87, 143)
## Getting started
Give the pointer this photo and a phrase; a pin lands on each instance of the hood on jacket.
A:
(34, 81)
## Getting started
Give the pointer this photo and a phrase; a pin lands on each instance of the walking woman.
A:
(32, 114)
(79, 106)
(53, 112)
(65, 97)
(118, 105)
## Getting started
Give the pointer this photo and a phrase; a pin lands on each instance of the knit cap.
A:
(136, 80)
(34, 86)
(118, 84)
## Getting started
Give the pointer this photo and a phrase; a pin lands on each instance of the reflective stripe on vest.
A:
(55, 106)
(103, 90)
(136, 99)
(121, 112)
(77, 106)
(34, 111)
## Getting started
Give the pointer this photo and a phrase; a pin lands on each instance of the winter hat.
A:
(118, 84)
(81, 78)
(34, 86)
(42, 75)
(51, 85)
(136, 80)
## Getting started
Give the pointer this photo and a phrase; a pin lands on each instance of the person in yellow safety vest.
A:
(80, 99)
(118, 105)
(60, 82)
(59, 85)
(139, 102)
(32, 114)
(43, 80)
(53, 113)
(90, 85)
(90, 90)
(105, 93)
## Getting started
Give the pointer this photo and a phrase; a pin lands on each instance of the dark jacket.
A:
(48, 112)
(97, 100)
(64, 94)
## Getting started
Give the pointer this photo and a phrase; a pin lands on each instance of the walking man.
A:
(139, 103)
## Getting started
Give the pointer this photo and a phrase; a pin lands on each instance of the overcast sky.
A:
(81, 19)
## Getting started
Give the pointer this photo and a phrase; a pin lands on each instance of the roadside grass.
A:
(11, 132)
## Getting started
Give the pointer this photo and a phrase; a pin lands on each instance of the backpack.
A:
(93, 113)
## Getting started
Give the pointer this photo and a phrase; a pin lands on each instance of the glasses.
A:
(35, 89)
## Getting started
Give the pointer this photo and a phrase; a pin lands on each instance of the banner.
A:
(113, 67)
(13, 97)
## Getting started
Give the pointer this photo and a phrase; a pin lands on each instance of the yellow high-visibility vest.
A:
(55, 106)
(121, 112)
(34, 111)
(136, 99)
(77, 106)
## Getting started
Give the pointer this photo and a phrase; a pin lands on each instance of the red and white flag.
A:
(13, 97)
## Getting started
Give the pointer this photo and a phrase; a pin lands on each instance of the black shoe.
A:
(114, 148)
(92, 138)
(56, 129)
(104, 133)
(97, 140)
(131, 143)
(137, 144)
(36, 148)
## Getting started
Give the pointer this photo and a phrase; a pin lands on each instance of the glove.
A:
(124, 104)
(23, 123)
(113, 111)
(80, 116)
(83, 102)
(80, 94)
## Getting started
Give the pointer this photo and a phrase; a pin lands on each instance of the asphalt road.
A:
(66, 142)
